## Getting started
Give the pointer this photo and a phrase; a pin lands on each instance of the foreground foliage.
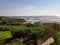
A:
(30, 32)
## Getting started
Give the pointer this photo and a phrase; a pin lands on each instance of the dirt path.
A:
(48, 42)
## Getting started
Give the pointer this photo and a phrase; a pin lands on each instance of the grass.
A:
(13, 28)
(5, 34)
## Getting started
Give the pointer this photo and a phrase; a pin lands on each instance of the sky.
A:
(29, 7)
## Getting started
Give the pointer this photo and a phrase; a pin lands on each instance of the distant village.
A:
(42, 20)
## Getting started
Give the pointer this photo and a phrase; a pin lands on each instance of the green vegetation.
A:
(40, 31)
(5, 34)
(12, 30)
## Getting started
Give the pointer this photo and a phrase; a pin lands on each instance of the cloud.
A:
(30, 11)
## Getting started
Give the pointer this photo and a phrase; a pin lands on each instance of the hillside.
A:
(42, 19)
(12, 32)
(11, 21)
